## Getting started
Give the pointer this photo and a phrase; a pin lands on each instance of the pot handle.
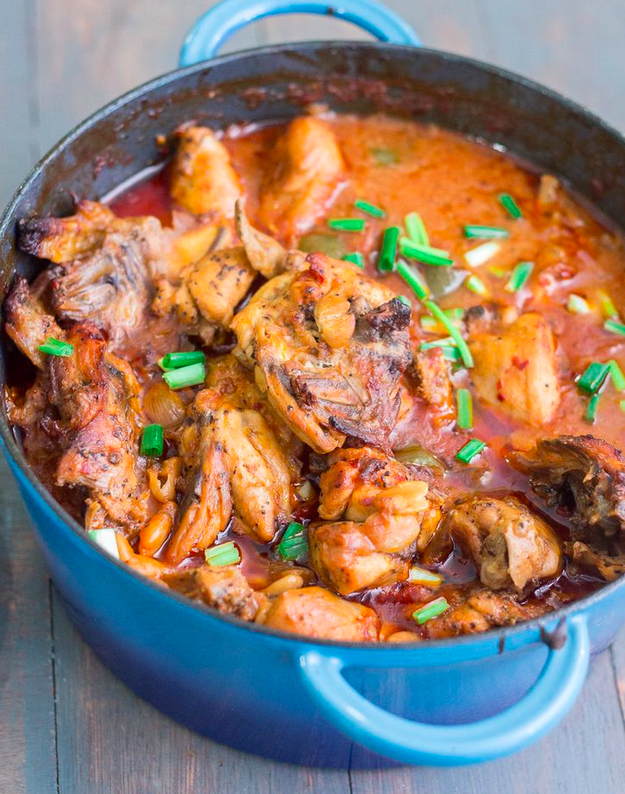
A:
(545, 704)
(213, 28)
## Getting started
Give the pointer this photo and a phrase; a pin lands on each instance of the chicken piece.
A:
(27, 322)
(608, 566)
(64, 239)
(509, 546)
(584, 475)
(434, 381)
(202, 177)
(515, 370)
(265, 254)
(219, 282)
(302, 179)
(314, 612)
(327, 393)
(224, 589)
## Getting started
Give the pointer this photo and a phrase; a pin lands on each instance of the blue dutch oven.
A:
(312, 702)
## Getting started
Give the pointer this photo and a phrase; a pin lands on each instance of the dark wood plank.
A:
(27, 742)
(585, 753)
(110, 741)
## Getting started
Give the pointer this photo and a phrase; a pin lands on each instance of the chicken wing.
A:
(516, 370)
(27, 322)
(303, 176)
(330, 346)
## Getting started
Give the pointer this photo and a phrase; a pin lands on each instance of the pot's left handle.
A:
(411, 742)
(219, 23)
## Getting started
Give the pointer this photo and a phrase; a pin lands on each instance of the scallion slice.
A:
(465, 409)
(446, 342)
(106, 539)
(614, 327)
(55, 347)
(152, 441)
(480, 255)
(416, 229)
(520, 276)
(608, 308)
(430, 610)
(388, 255)
(617, 376)
(294, 543)
(183, 359)
(432, 325)
(498, 272)
(418, 575)
(181, 378)
(370, 209)
(593, 377)
(622, 405)
(356, 257)
(425, 253)
(470, 450)
(476, 285)
(591, 410)
(223, 554)
(452, 331)
(510, 205)
(485, 232)
(346, 224)
(413, 279)
(448, 346)
(576, 304)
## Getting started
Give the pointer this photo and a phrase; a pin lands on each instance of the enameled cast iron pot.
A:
(313, 702)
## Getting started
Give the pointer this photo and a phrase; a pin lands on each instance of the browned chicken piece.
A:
(219, 282)
(509, 546)
(302, 179)
(608, 566)
(27, 322)
(584, 475)
(265, 254)
(225, 589)
(64, 239)
(329, 346)
(315, 612)
(433, 378)
(202, 178)
(515, 370)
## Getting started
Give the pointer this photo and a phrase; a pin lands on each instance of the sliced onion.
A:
(419, 456)
(163, 406)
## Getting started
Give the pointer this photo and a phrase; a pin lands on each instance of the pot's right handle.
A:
(553, 694)
(219, 23)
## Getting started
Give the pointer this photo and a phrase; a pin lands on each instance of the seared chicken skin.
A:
(328, 346)
(304, 173)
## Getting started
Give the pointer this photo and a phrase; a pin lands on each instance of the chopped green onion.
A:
(106, 539)
(294, 543)
(178, 360)
(617, 376)
(431, 610)
(577, 305)
(370, 209)
(384, 156)
(416, 229)
(476, 285)
(223, 554)
(452, 331)
(446, 342)
(591, 410)
(418, 575)
(498, 272)
(465, 409)
(614, 327)
(152, 441)
(607, 305)
(450, 351)
(425, 253)
(356, 257)
(480, 255)
(389, 250)
(622, 405)
(431, 325)
(470, 450)
(405, 301)
(346, 224)
(414, 280)
(593, 377)
(54, 347)
(181, 378)
(485, 232)
(520, 276)
(510, 205)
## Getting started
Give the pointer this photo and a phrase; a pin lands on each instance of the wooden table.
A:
(66, 725)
